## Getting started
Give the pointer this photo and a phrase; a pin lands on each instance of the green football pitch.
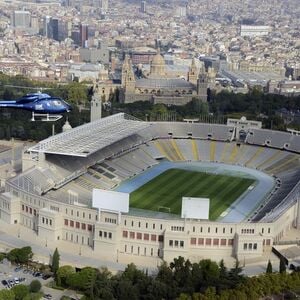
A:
(165, 192)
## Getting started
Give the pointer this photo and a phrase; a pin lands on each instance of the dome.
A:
(66, 127)
(157, 68)
(88, 67)
(158, 60)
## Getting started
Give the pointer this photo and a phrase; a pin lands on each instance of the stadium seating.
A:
(131, 154)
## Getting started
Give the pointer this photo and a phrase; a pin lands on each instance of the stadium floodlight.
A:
(195, 208)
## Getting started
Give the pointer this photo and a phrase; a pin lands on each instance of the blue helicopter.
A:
(42, 106)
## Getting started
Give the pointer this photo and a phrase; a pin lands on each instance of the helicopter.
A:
(43, 106)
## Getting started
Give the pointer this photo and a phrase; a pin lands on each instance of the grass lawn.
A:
(167, 189)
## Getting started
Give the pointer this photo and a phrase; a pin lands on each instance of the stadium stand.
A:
(103, 154)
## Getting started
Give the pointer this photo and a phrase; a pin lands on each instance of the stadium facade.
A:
(53, 194)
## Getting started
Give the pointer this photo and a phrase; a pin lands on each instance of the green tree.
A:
(132, 274)
(7, 295)
(124, 290)
(77, 93)
(35, 286)
(182, 274)
(210, 272)
(197, 277)
(165, 276)
(20, 255)
(63, 273)
(20, 291)
(55, 262)
(223, 282)
(34, 296)
(2, 256)
(235, 274)
(269, 267)
(84, 281)
(282, 265)
(159, 111)
(158, 290)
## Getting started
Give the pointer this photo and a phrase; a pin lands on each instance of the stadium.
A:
(157, 190)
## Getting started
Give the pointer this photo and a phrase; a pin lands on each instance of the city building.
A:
(47, 26)
(103, 6)
(143, 6)
(254, 30)
(54, 32)
(95, 55)
(83, 35)
(142, 55)
(21, 19)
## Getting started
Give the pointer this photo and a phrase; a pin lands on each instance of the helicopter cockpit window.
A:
(56, 102)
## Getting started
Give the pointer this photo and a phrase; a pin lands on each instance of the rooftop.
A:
(168, 83)
(87, 139)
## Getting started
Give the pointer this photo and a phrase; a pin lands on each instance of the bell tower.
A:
(192, 74)
(125, 69)
(202, 85)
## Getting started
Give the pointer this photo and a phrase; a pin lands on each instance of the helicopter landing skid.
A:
(45, 117)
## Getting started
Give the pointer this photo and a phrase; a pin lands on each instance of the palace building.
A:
(162, 87)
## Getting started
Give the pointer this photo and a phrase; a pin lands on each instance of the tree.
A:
(2, 256)
(282, 265)
(269, 267)
(165, 276)
(83, 280)
(20, 291)
(235, 275)
(35, 286)
(55, 262)
(7, 295)
(131, 273)
(63, 273)
(182, 274)
(223, 282)
(125, 290)
(210, 272)
(158, 290)
(20, 255)
(77, 93)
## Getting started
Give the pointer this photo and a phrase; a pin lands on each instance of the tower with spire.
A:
(193, 72)
(202, 84)
(128, 77)
(128, 80)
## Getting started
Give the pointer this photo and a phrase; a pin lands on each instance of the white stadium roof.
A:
(87, 139)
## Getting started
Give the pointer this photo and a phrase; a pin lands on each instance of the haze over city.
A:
(149, 149)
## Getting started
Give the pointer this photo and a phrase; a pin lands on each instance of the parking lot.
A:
(11, 275)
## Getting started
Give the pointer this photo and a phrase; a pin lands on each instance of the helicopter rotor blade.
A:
(28, 87)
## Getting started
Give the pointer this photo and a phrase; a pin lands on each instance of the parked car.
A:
(46, 276)
(4, 282)
(37, 274)
(11, 282)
